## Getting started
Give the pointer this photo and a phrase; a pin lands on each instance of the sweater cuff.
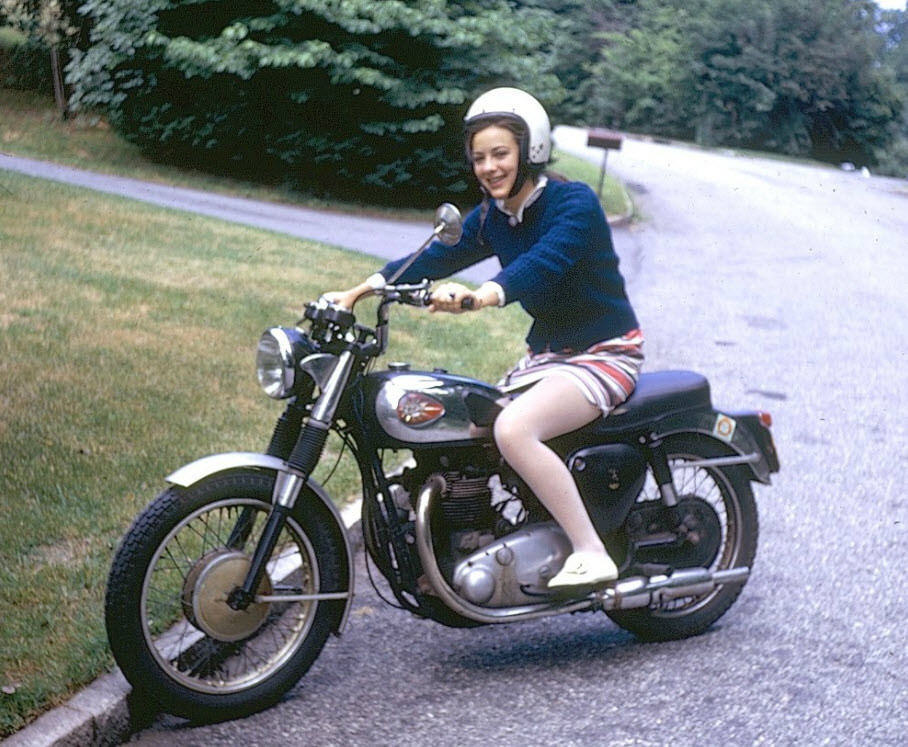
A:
(376, 281)
(492, 285)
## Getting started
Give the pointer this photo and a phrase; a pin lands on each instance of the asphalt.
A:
(103, 713)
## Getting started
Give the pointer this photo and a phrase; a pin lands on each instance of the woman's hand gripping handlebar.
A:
(455, 299)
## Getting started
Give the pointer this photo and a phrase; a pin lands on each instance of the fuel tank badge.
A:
(416, 409)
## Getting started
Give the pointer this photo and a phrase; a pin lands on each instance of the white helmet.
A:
(519, 105)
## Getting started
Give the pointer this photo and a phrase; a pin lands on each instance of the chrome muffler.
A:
(653, 591)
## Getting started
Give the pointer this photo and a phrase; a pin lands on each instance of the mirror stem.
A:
(413, 257)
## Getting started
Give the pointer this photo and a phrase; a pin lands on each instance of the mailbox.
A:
(599, 138)
(607, 140)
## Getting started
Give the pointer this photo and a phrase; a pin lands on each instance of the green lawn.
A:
(127, 338)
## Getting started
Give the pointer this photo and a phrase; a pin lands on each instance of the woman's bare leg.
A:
(550, 408)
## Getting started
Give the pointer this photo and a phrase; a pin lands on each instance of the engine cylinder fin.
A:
(466, 500)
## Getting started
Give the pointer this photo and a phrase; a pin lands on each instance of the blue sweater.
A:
(559, 264)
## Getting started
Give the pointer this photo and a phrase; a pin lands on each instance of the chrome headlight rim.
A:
(277, 358)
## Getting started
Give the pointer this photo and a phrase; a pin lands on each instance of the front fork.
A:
(287, 485)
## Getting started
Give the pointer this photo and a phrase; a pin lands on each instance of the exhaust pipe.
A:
(640, 591)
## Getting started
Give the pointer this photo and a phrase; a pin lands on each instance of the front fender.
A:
(194, 472)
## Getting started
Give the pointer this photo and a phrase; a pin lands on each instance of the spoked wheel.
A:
(170, 626)
(718, 504)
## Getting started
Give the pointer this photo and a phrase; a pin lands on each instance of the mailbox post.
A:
(607, 140)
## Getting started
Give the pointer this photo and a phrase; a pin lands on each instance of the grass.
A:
(126, 349)
(127, 335)
(615, 199)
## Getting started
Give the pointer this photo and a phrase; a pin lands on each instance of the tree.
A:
(778, 75)
(575, 32)
(641, 79)
(894, 158)
(48, 25)
(333, 96)
(785, 76)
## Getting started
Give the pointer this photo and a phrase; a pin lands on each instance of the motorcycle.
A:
(228, 585)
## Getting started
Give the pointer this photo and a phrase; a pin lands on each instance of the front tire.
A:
(168, 623)
(725, 491)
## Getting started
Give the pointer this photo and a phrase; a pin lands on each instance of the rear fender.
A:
(201, 469)
(726, 429)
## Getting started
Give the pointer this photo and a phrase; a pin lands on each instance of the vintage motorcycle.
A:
(227, 586)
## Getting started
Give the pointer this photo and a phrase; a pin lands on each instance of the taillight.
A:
(765, 419)
(416, 409)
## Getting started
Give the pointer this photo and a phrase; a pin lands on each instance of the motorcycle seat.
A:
(658, 395)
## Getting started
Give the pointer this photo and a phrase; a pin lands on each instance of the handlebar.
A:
(416, 294)
(419, 295)
(333, 324)
(410, 294)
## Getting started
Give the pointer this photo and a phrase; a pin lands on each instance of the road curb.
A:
(104, 713)
(620, 221)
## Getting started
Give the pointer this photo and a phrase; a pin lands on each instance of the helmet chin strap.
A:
(523, 172)
(521, 179)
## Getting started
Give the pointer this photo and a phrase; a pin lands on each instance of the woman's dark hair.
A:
(526, 170)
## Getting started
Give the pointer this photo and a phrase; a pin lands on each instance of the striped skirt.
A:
(606, 372)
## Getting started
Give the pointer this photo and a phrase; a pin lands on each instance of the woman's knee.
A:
(511, 431)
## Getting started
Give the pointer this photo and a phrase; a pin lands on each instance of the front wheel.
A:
(721, 502)
(168, 622)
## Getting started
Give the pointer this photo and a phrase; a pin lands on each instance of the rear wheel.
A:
(169, 625)
(721, 502)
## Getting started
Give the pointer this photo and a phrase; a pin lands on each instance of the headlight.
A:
(279, 351)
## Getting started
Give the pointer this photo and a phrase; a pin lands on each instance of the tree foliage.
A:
(794, 78)
(893, 159)
(42, 21)
(575, 28)
(340, 95)
(353, 96)
(642, 79)
(49, 28)
(779, 75)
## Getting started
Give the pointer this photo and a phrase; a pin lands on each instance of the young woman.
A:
(558, 262)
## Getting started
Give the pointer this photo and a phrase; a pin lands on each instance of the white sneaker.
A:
(584, 569)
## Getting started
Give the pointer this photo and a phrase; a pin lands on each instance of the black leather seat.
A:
(657, 395)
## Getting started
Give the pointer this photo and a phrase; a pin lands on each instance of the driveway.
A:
(383, 238)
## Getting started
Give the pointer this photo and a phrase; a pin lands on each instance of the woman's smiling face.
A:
(496, 160)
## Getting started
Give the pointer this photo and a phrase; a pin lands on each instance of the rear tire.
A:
(169, 627)
(728, 491)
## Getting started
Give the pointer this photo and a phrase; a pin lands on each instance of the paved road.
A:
(386, 239)
(785, 285)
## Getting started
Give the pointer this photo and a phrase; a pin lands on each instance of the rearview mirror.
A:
(448, 224)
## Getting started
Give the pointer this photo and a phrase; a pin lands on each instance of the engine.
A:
(493, 547)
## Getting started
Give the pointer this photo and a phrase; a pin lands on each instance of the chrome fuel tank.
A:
(420, 408)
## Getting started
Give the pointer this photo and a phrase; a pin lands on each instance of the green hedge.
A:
(341, 98)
